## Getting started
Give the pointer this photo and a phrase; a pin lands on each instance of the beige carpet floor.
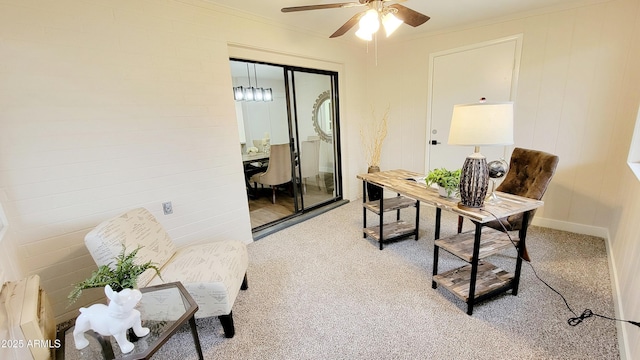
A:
(319, 290)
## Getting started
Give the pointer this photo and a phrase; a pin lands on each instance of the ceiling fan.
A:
(391, 16)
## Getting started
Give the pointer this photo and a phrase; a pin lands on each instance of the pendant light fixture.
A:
(261, 94)
(251, 93)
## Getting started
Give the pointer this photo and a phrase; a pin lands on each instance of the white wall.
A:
(572, 77)
(9, 266)
(578, 94)
(107, 105)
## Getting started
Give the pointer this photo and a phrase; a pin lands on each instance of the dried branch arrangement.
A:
(373, 137)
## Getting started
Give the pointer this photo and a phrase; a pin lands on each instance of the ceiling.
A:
(444, 13)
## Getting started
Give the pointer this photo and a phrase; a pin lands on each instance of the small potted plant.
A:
(121, 275)
(448, 181)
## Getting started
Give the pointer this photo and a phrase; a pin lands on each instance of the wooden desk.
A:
(480, 279)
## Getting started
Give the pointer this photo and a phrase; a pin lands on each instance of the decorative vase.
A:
(443, 191)
(374, 192)
(474, 181)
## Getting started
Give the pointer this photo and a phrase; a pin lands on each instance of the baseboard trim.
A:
(571, 227)
(623, 343)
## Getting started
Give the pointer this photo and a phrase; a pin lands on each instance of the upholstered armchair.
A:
(279, 169)
(212, 272)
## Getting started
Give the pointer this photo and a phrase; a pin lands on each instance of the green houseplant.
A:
(121, 275)
(449, 180)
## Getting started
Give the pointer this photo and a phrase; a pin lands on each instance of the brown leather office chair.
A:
(530, 172)
(279, 169)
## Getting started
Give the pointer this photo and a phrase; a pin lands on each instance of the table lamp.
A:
(479, 124)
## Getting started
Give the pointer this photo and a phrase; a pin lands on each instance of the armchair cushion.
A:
(212, 273)
(137, 227)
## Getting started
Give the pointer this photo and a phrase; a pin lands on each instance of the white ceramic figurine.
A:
(113, 320)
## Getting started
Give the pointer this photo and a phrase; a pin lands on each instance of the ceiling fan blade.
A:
(320, 6)
(410, 17)
(348, 25)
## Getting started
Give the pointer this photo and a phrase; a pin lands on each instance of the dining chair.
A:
(310, 162)
(279, 170)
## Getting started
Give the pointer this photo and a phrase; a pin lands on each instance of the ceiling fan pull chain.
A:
(375, 46)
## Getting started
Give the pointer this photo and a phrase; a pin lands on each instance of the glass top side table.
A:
(163, 309)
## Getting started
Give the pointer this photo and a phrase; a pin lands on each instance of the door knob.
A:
(435, 142)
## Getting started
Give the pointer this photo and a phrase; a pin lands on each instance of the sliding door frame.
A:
(294, 140)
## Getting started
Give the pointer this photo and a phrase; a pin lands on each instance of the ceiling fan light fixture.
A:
(390, 23)
(370, 21)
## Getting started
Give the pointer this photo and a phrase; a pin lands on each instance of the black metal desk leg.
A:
(474, 268)
(364, 211)
(521, 246)
(436, 249)
(417, 218)
(196, 338)
(381, 221)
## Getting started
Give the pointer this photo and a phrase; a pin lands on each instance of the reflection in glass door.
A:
(301, 117)
(313, 118)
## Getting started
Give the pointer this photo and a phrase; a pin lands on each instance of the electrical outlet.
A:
(167, 207)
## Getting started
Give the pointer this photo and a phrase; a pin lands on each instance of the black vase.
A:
(374, 192)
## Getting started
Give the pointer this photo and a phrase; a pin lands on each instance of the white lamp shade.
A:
(482, 124)
(390, 23)
(364, 35)
(369, 22)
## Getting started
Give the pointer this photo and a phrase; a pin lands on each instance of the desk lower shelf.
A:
(390, 204)
(391, 231)
(461, 245)
(490, 279)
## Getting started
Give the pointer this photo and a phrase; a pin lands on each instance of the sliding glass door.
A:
(301, 115)
(313, 123)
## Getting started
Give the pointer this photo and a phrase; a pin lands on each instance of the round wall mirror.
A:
(323, 117)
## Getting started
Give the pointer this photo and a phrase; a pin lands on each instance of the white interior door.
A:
(461, 76)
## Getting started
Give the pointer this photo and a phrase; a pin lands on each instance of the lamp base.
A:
(474, 181)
